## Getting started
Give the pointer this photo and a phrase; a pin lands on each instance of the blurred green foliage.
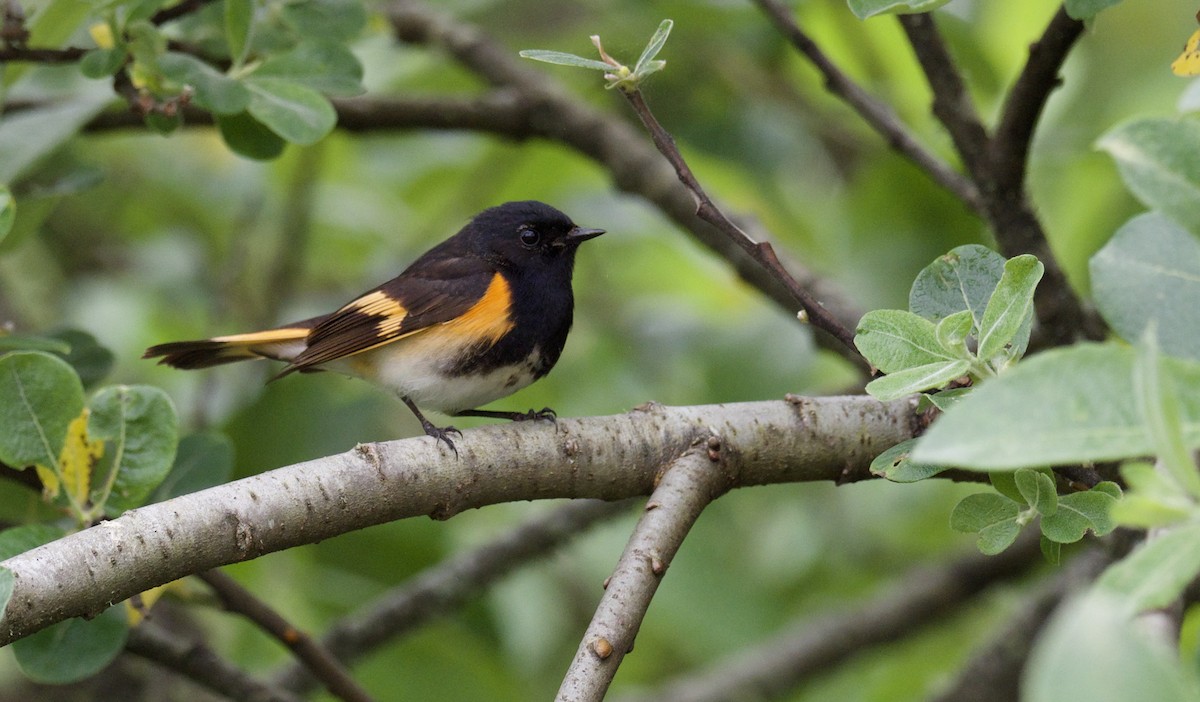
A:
(139, 239)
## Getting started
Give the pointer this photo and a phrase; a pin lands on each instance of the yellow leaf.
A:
(50, 485)
(1188, 63)
(78, 459)
(102, 34)
(138, 607)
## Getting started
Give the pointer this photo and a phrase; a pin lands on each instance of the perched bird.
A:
(476, 318)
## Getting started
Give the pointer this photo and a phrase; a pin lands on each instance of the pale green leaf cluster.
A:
(616, 73)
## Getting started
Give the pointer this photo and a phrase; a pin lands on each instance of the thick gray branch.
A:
(608, 458)
(688, 485)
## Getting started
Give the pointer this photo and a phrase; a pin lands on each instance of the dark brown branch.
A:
(762, 252)
(450, 584)
(41, 55)
(874, 112)
(201, 665)
(808, 648)
(174, 12)
(318, 660)
(1027, 98)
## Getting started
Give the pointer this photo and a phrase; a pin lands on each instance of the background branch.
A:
(451, 583)
(810, 647)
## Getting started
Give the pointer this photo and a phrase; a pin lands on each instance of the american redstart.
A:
(476, 318)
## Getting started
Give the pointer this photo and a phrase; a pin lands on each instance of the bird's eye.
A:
(530, 237)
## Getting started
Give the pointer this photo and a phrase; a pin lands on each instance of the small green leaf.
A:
(19, 539)
(102, 63)
(1150, 272)
(945, 399)
(239, 21)
(1062, 406)
(39, 396)
(30, 135)
(1123, 663)
(214, 91)
(72, 650)
(560, 58)
(962, 279)
(934, 375)
(1155, 574)
(1077, 513)
(893, 464)
(325, 67)
(1006, 484)
(1159, 159)
(140, 422)
(89, 359)
(1051, 550)
(869, 8)
(1010, 308)
(895, 340)
(26, 342)
(330, 20)
(652, 49)
(993, 517)
(298, 114)
(1148, 512)
(249, 137)
(952, 332)
(1037, 489)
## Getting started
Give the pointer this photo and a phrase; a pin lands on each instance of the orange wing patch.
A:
(264, 337)
(488, 320)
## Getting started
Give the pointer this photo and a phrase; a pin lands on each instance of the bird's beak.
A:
(580, 234)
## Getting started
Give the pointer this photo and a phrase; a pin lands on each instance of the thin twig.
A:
(70, 54)
(874, 112)
(201, 665)
(688, 484)
(322, 664)
(450, 584)
(762, 252)
(180, 9)
(810, 647)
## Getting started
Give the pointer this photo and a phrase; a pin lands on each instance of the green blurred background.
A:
(147, 239)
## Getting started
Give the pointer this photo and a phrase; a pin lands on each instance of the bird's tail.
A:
(282, 344)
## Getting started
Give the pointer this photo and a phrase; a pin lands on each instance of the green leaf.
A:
(945, 399)
(1010, 308)
(249, 137)
(298, 114)
(72, 650)
(656, 44)
(894, 465)
(328, 68)
(952, 332)
(1077, 513)
(993, 517)
(214, 91)
(962, 279)
(239, 21)
(1152, 499)
(869, 8)
(934, 375)
(27, 342)
(27, 136)
(102, 63)
(1155, 574)
(27, 537)
(1159, 159)
(895, 340)
(1122, 663)
(331, 20)
(8, 211)
(1150, 272)
(1037, 489)
(1006, 484)
(201, 461)
(89, 359)
(140, 422)
(1086, 9)
(560, 58)
(1051, 550)
(1061, 406)
(1159, 406)
(39, 396)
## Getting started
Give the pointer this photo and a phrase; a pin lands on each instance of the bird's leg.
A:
(439, 433)
(543, 413)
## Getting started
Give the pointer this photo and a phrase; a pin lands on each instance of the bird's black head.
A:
(527, 233)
